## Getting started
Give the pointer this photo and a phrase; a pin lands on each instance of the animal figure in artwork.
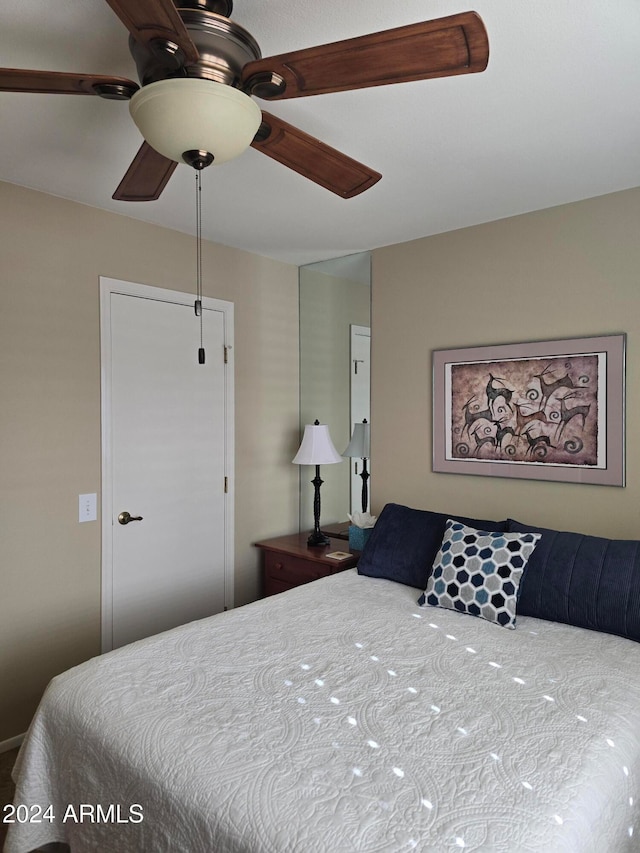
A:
(471, 417)
(538, 444)
(549, 388)
(568, 414)
(495, 392)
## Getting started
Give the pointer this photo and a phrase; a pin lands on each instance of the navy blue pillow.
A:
(582, 580)
(404, 542)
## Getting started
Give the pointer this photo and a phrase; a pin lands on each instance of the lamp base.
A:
(317, 537)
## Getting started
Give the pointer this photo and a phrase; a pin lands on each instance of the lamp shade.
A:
(316, 447)
(188, 113)
(359, 446)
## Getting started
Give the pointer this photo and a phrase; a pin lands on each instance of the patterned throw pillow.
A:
(478, 572)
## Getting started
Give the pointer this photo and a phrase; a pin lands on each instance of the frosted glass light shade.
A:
(316, 447)
(359, 446)
(188, 113)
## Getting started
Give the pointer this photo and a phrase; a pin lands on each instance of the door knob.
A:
(125, 517)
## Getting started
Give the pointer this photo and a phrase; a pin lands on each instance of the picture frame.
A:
(541, 410)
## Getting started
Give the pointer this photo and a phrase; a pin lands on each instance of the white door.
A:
(167, 458)
(360, 389)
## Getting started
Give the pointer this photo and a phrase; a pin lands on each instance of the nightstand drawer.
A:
(291, 571)
(289, 561)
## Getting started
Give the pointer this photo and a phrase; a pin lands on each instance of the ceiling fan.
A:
(199, 72)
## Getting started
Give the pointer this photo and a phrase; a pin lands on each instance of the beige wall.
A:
(52, 253)
(329, 305)
(569, 271)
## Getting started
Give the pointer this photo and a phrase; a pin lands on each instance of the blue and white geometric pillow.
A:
(478, 572)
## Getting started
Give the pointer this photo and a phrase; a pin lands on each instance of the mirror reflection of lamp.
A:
(359, 448)
(317, 449)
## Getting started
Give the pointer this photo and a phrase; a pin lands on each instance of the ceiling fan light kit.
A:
(185, 114)
(198, 71)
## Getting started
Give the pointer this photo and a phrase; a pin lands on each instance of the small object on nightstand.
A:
(358, 536)
(360, 529)
(339, 555)
(288, 561)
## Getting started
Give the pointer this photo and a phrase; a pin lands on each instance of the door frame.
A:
(109, 286)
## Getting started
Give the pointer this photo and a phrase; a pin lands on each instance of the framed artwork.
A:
(544, 410)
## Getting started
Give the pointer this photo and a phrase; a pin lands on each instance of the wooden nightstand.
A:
(288, 561)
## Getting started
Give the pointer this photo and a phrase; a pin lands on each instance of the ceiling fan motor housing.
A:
(224, 48)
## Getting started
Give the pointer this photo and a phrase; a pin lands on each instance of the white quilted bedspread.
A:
(341, 717)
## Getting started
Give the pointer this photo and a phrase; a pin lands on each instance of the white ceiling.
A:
(554, 118)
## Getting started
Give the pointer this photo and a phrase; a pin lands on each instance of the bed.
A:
(341, 716)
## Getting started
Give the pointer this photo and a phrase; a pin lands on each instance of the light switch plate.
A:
(87, 507)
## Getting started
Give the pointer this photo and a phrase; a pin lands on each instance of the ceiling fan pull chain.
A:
(198, 303)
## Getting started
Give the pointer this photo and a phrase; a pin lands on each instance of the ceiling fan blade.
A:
(152, 20)
(313, 159)
(457, 44)
(59, 83)
(146, 177)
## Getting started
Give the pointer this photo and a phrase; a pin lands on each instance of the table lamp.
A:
(317, 449)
